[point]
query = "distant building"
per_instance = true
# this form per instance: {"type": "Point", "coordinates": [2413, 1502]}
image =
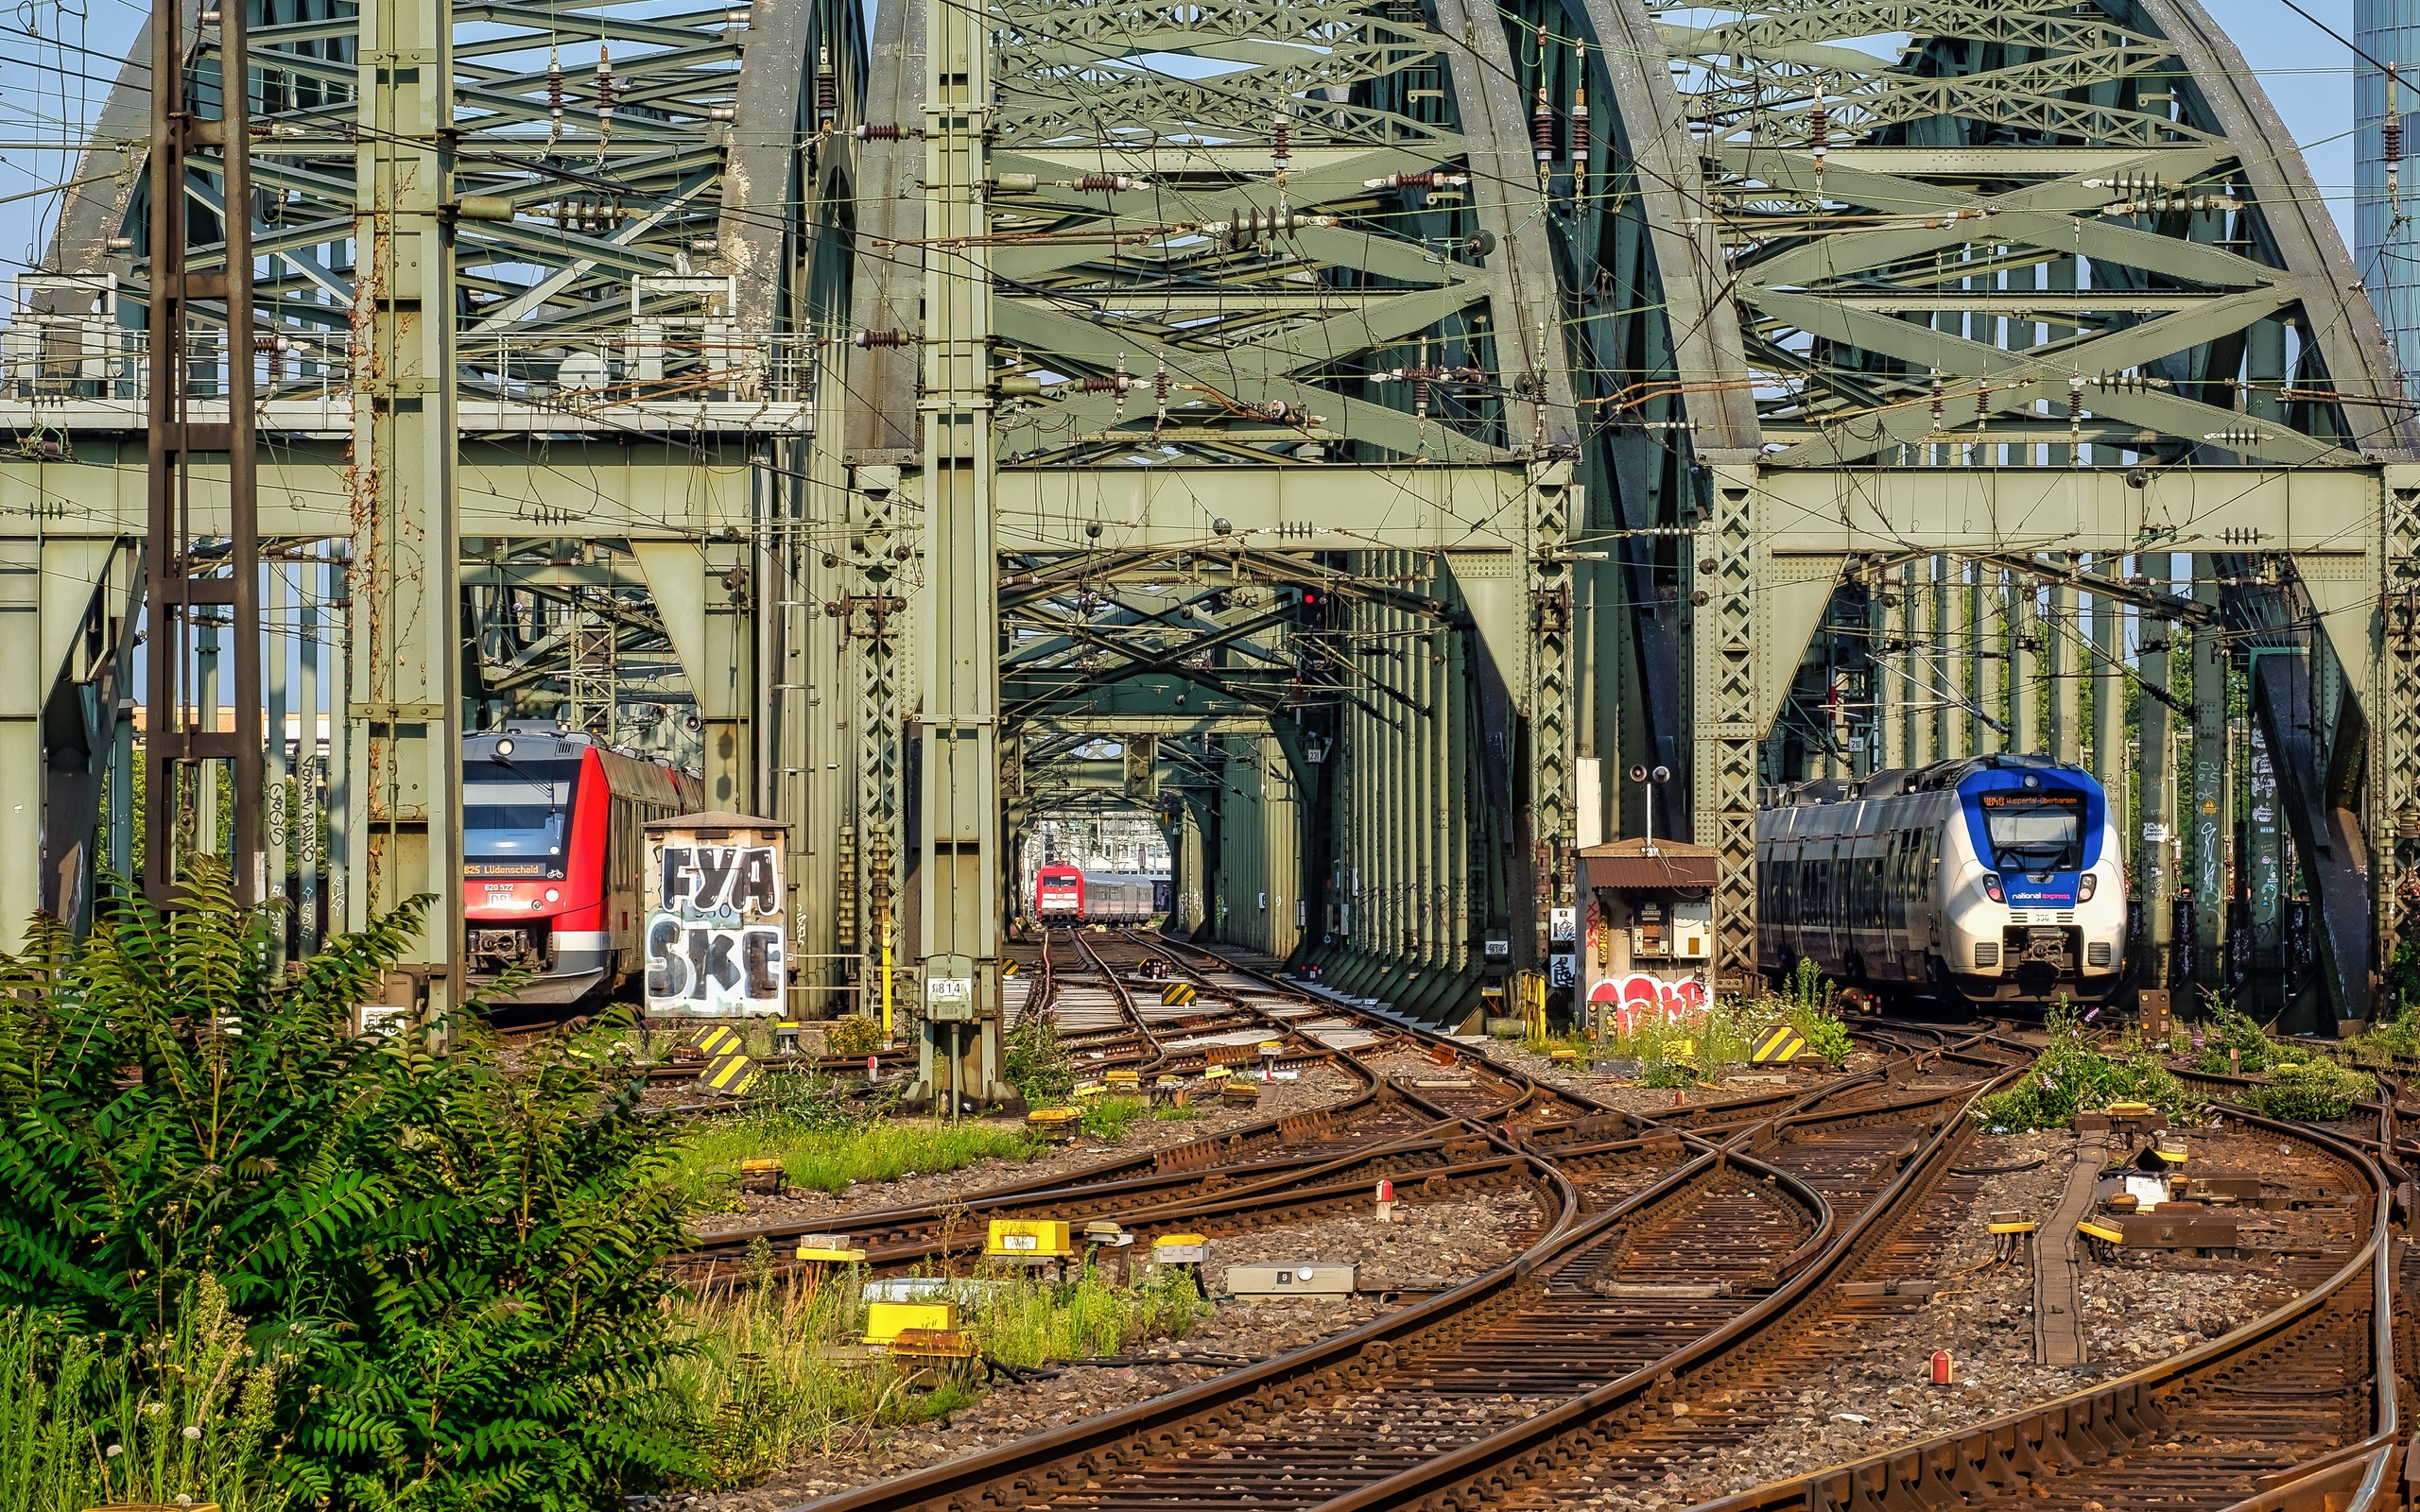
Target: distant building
{"type": "Point", "coordinates": [2386, 256]}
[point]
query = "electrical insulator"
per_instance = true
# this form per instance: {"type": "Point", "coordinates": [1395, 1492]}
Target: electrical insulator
{"type": "Point", "coordinates": [2393, 132]}
{"type": "Point", "coordinates": [1109, 183]}
{"type": "Point", "coordinates": [1431, 179]}
{"type": "Point", "coordinates": [2075, 409]}
{"type": "Point", "coordinates": [1580, 121]}
{"type": "Point", "coordinates": [1123, 384]}
{"type": "Point", "coordinates": [555, 86]}
{"type": "Point", "coordinates": [1280, 141]}
{"type": "Point", "coordinates": [881, 133]}
{"type": "Point", "coordinates": [604, 87]}
{"type": "Point", "coordinates": [867, 340]}
{"type": "Point", "coordinates": [1542, 136]}
{"type": "Point", "coordinates": [1159, 392]}
{"type": "Point", "coordinates": [1982, 401]}
{"type": "Point", "coordinates": [827, 90]}
{"type": "Point", "coordinates": [1819, 129]}
{"type": "Point", "coordinates": [1936, 399]}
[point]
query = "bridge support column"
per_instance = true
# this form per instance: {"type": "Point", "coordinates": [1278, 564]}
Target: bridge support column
{"type": "Point", "coordinates": [1729, 716]}
{"type": "Point", "coordinates": [2064, 653]}
{"type": "Point", "coordinates": [405, 715]}
{"type": "Point", "coordinates": [2110, 765]}
{"type": "Point", "coordinates": [960, 639]}
{"type": "Point", "coordinates": [2155, 771]}
{"type": "Point", "coordinates": [2211, 825]}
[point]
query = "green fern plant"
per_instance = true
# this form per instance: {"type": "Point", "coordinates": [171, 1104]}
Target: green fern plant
{"type": "Point", "coordinates": [455, 1269]}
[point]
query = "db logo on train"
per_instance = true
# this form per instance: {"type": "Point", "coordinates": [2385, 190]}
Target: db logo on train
{"type": "Point", "coordinates": [1624, 1002]}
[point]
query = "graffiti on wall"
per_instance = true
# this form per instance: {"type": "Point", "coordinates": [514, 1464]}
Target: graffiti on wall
{"type": "Point", "coordinates": [715, 937]}
{"type": "Point", "coordinates": [1622, 1004]}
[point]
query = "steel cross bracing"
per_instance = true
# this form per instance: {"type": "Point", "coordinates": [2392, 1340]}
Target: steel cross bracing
{"type": "Point", "coordinates": [1934, 324]}
{"type": "Point", "coordinates": [636, 204]}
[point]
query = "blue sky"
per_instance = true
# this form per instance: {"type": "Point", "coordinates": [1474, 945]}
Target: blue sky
{"type": "Point", "coordinates": [2308, 75]}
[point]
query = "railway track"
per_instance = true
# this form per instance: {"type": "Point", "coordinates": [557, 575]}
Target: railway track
{"type": "Point", "coordinates": [1661, 1247]}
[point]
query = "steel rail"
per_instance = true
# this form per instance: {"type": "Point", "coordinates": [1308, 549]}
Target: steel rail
{"type": "Point", "coordinates": [1065, 1458]}
{"type": "Point", "coordinates": [2092, 1426]}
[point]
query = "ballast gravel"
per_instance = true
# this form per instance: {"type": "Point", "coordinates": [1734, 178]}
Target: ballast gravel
{"type": "Point", "coordinates": [1435, 1244]}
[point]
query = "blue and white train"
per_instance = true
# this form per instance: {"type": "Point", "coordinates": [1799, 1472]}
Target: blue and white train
{"type": "Point", "coordinates": [1996, 879]}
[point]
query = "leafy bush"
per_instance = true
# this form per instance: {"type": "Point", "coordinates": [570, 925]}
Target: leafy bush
{"type": "Point", "coordinates": [1036, 1065]}
{"type": "Point", "coordinates": [1826, 1037]}
{"type": "Point", "coordinates": [855, 1035]}
{"type": "Point", "coordinates": [2231, 1028]}
{"type": "Point", "coordinates": [2072, 1073]}
{"type": "Point", "coordinates": [2398, 1035]}
{"type": "Point", "coordinates": [1669, 1074]}
{"type": "Point", "coordinates": [2313, 1090]}
{"type": "Point", "coordinates": [456, 1268]}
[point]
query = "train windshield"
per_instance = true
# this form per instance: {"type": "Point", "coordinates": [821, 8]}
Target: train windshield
{"type": "Point", "coordinates": [516, 816]}
{"type": "Point", "coordinates": [2035, 831]}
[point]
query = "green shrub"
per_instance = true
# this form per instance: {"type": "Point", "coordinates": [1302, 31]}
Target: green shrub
{"type": "Point", "coordinates": [855, 1035]}
{"type": "Point", "coordinates": [2231, 1028]}
{"type": "Point", "coordinates": [456, 1266]}
{"type": "Point", "coordinates": [2311, 1090]}
{"type": "Point", "coordinates": [1171, 1113]}
{"type": "Point", "coordinates": [1669, 1074]}
{"type": "Point", "coordinates": [2072, 1073]}
{"type": "Point", "coordinates": [1036, 1065]}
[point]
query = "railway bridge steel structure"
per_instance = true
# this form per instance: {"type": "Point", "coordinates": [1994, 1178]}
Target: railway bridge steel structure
{"type": "Point", "coordinates": [1359, 430]}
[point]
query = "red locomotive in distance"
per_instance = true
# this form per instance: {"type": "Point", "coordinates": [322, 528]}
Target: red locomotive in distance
{"type": "Point", "coordinates": [551, 853]}
{"type": "Point", "coordinates": [1064, 895]}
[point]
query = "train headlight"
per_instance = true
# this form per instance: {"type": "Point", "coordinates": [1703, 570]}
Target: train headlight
{"type": "Point", "coordinates": [2084, 887]}
{"type": "Point", "coordinates": [1992, 887]}
{"type": "Point", "coordinates": [554, 896]}
{"type": "Point", "coordinates": [504, 748]}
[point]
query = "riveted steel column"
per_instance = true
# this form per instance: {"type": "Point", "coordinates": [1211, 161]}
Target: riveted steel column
{"type": "Point", "coordinates": [1886, 613]}
{"type": "Point", "coordinates": [2064, 655]}
{"type": "Point", "coordinates": [2110, 764]}
{"type": "Point", "coordinates": [1987, 645]}
{"type": "Point", "coordinates": [2024, 665]}
{"type": "Point", "coordinates": [1722, 636]}
{"type": "Point", "coordinates": [2155, 768]}
{"type": "Point", "coordinates": [2395, 720]}
{"type": "Point", "coordinates": [403, 717]}
{"type": "Point", "coordinates": [959, 903]}
{"type": "Point", "coordinates": [1918, 664]}
{"type": "Point", "coordinates": [1952, 660]}
{"type": "Point", "coordinates": [2211, 825]}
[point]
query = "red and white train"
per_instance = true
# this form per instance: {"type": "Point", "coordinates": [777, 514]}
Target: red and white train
{"type": "Point", "coordinates": [552, 852]}
{"type": "Point", "coordinates": [1066, 895]}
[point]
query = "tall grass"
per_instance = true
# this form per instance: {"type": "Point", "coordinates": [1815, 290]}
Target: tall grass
{"type": "Point", "coordinates": [185, 1418]}
{"type": "Point", "coordinates": [830, 1158]}
{"type": "Point", "coordinates": [774, 1373]}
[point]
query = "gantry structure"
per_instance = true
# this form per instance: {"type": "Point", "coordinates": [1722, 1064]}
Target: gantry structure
{"type": "Point", "coordinates": [1357, 432]}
